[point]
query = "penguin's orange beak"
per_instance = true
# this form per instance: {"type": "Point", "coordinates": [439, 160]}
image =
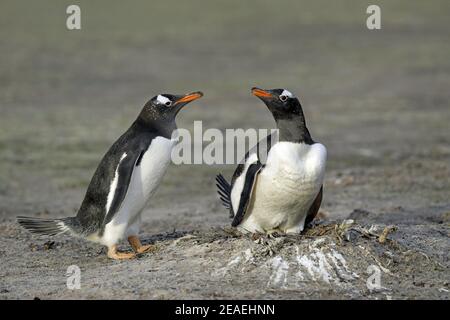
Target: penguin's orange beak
{"type": "Point", "coordinates": [190, 97]}
{"type": "Point", "coordinates": [261, 93]}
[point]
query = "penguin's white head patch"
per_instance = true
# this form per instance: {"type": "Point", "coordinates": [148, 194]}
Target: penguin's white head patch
{"type": "Point", "coordinates": [160, 99]}
{"type": "Point", "coordinates": [287, 94]}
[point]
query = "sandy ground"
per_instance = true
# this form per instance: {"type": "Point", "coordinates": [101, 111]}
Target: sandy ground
{"type": "Point", "coordinates": [378, 100]}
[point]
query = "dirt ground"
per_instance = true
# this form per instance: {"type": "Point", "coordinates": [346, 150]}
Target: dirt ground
{"type": "Point", "coordinates": [378, 100]}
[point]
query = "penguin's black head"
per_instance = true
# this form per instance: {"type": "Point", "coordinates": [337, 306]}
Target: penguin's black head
{"type": "Point", "coordinates": [166, 106]}
{"type": "Point", "coordinates": [288, 114]}
{"type": "Point", "coordinates": [281, 103]}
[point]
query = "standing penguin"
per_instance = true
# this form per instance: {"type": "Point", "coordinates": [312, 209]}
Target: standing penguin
{"type": "Point", "coordinates": [284, 193]}
{"type": "Point", "coordinates": [126, 178]}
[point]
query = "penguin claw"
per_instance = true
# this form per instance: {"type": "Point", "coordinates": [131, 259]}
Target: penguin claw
{"type": "Point", "coordinates": [274, 235]}
{"type": "Point", "coordinates": [257, 237]}
{"type": "Point", "coordinates": [138, 247]}
{"type": "Point", "coordinates": [114, 254]}
{"type": "Point", "coordinates": [261, 238]}
{"type": "Point", "coordinates": [147, 248]}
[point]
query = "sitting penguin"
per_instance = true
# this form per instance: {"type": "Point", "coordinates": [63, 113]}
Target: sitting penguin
{"type": "Point", "coordinates": [283, 193]}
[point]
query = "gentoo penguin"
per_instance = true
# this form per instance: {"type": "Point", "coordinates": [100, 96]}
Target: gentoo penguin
{"type": "Point", "coordinates": [284, 193]}
{"type": "Point", "coordinates": [124, 181]}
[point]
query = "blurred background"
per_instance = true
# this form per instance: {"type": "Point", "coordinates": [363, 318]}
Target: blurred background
{"type": "Point", "coordinates": [378, 99]}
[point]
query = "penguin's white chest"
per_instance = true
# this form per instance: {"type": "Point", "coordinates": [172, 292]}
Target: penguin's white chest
{"type": "Point", "coordinates": [286, 188]}
{"type": "Point", "coordinates": [148, 174]}
{"type": "Point", "coordinates": [145, 179]}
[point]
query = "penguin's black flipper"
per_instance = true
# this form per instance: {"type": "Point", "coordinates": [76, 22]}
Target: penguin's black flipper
{"type": "Point", "coordinates": [224, 191]}
{"type": "Point", "coordinates": [249, 182]}
{"type": "Point", "coordinates": [124, 171]}
{"type": "Point", "coordinates": [314, 209]}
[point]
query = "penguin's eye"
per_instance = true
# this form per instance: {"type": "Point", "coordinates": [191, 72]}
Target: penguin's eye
{"type": "Point", "coordinates": [168, 103]}
{"type": "Point", "coordinates": [283, 98]}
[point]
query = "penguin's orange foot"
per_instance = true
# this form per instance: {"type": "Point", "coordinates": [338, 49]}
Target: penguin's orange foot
{"type": "Point", "coordinates": [138, 247]}
{"type": "Point", "coordinates": [114, 254]}
{"type": "Point", "coordinates": [146, 248]}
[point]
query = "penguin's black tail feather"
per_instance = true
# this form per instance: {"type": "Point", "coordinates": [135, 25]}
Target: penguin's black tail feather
{"type": "Point", "coordinates": [224, 191]}
{"type": "Point", "coordinates": [50, 227]}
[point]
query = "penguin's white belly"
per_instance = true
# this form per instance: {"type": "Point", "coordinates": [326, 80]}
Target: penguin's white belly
{"type": "Point", "coordinates": [144, 181]}
{"type": "Point", "coordinates": [286, 188]}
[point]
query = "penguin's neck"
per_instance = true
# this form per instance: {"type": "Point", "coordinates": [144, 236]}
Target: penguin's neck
{"type": "Point", "coordinates": [293, 129]}
{"type": "Point", "coordinates": [161, 127]}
